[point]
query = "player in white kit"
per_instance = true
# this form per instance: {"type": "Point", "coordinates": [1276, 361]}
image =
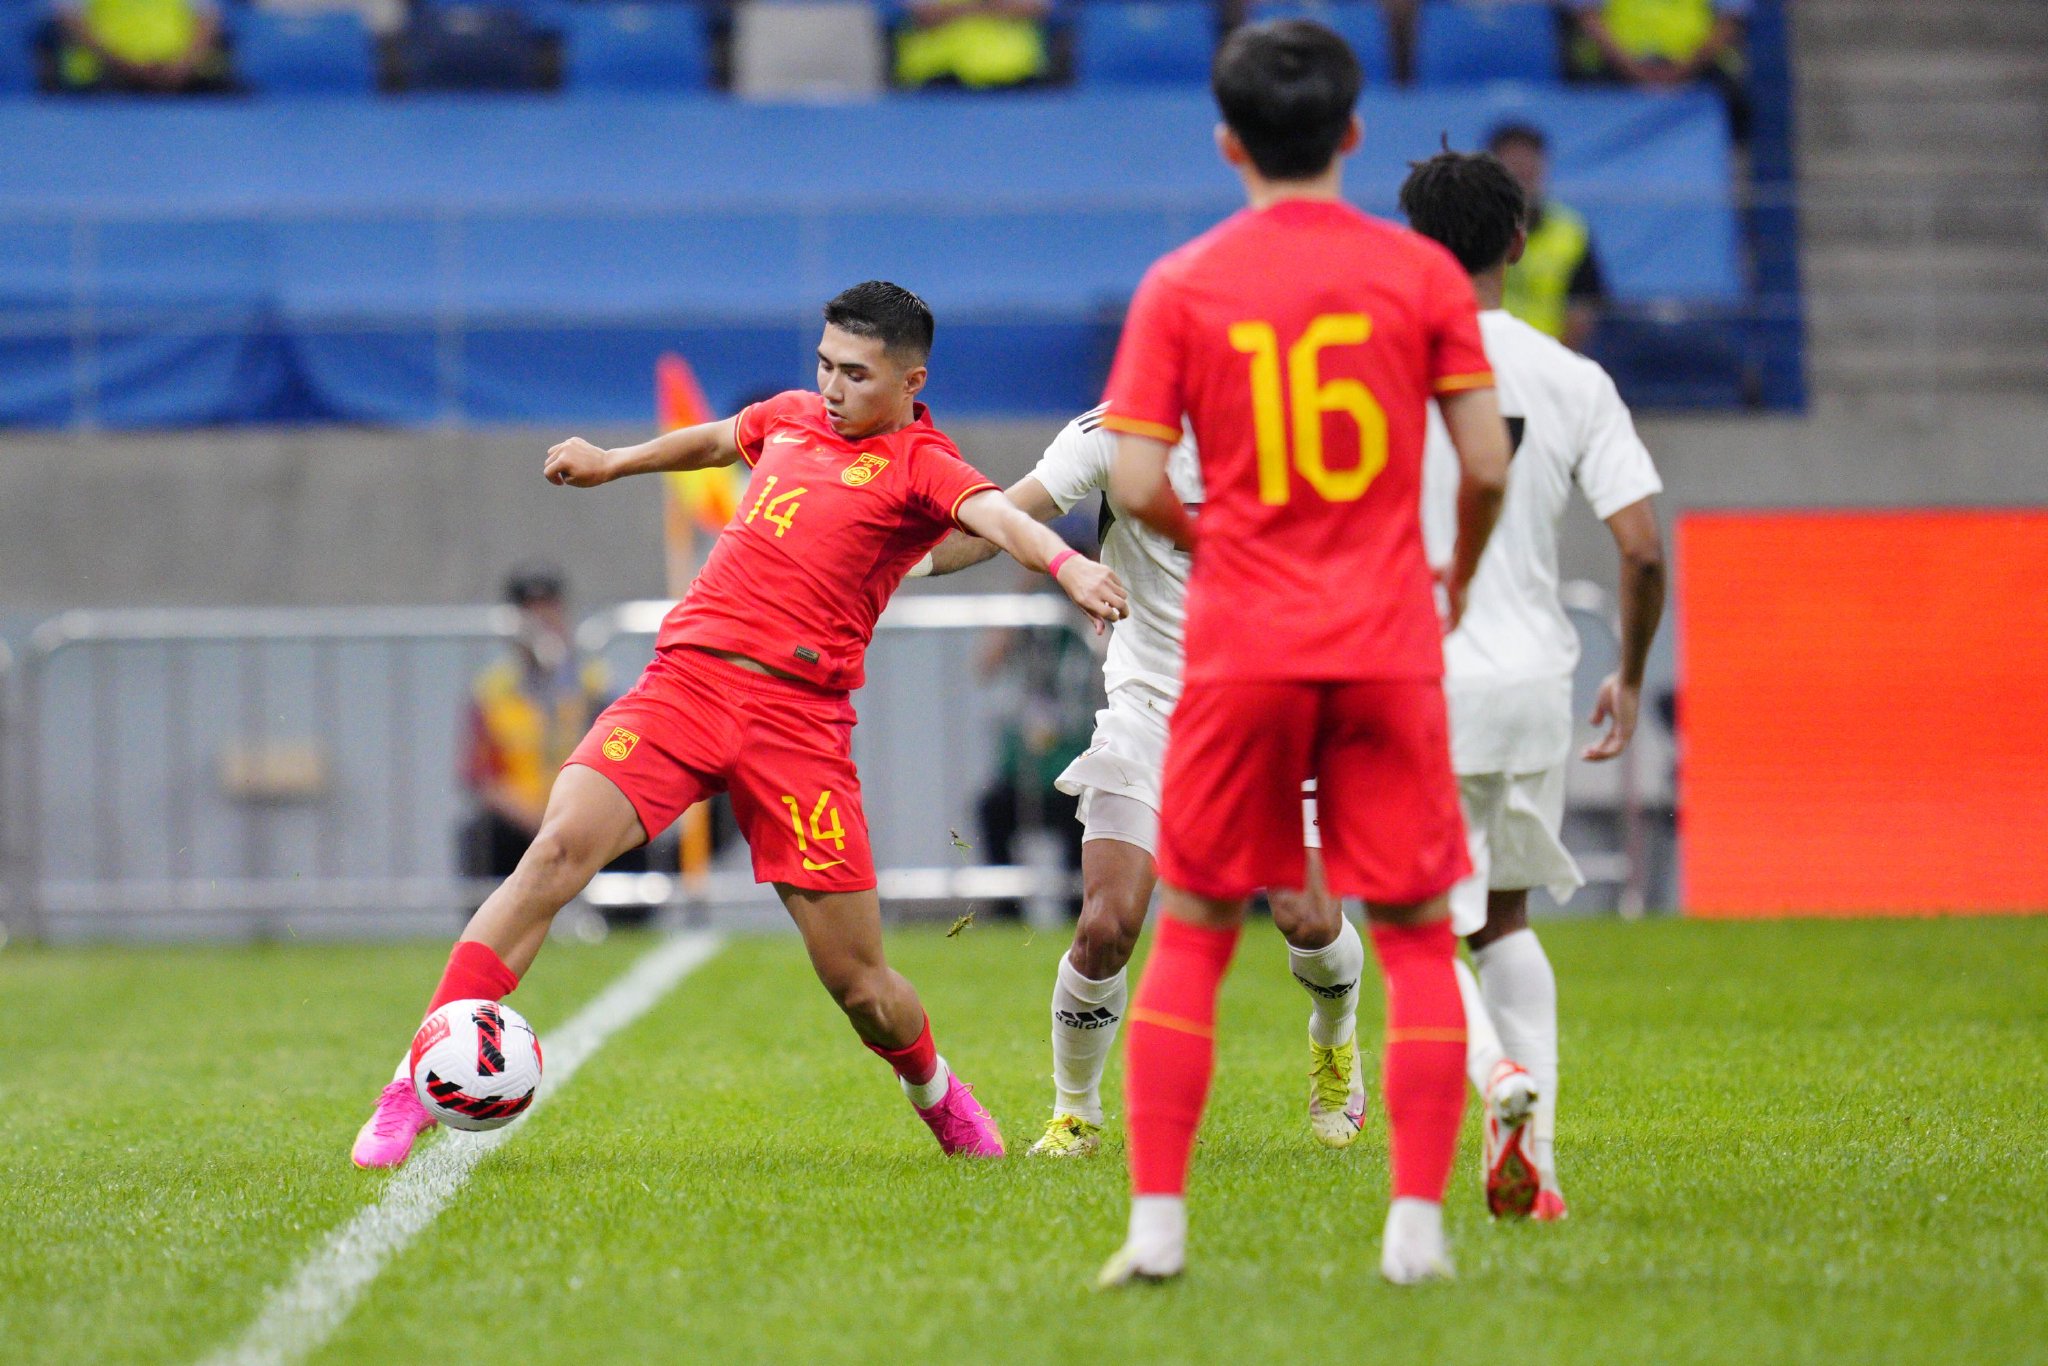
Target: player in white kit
{"type": "Point", "coordinates": [1117, 781]}
{"type": "Point", "coordinates": [1508, 666]}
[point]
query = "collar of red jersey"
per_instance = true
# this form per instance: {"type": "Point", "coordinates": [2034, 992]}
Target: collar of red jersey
{"type": "Point", "coordinates": [920, 417]}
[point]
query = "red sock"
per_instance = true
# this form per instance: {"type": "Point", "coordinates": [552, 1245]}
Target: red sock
{"type": "Point", "coordinates": [474, 972]}
{"type": "Point", "coordinates": [1425, 1067]}
{"type": "Point", "coordinates": [916, 1062]}
{"type": "Point", "coordinates": [1170, 1051]}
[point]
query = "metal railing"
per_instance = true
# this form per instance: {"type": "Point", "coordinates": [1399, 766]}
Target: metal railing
{"type": "Point", "coordinates": [268, 772]}
{"type": "Point", "coordinates": [181, 773]}
{"type": "Point", "coordinates": [187, 771]}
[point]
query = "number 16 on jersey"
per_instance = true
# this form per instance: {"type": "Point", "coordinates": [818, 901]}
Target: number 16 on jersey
{"type": "Point", "coordinates": [1287, 411]}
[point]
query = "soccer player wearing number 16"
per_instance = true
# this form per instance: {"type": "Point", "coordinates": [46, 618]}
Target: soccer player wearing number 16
{"type": "Point", "coordinates": [748, 689]}
{"type": "Point", "coordinates": [1303, 340]}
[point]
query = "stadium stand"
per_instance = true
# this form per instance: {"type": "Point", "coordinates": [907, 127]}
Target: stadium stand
{"type": "Point", "coordinates": [18, 25]}
{"type": "Point", "coordinates": [1514, 41]}
{"type": "Point", "coordinates": [808, 49]}
{"type": "Point", "coordinates": [1144, 42]}
{"type": "Point", "coordinates": [521, 260]}
{"type": "Point", "coordinates": [1361, 22]}
{"type": "Point", "coordinates": [373, 267]}
{"type": "Point", "coordinates": [467, 48]}
{"type": "Point", "coordinates": [649, 47]}
{"type": "Point", "coordinates": [302, 54]}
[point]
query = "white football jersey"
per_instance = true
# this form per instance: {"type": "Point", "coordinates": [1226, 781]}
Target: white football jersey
{"type": "Point", "coordinates": [1508, 667]}
{"type": "Point", "coordinates": [1145, 647]}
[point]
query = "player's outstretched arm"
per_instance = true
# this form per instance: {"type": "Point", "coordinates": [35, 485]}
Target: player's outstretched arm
{"type": "Point", "coordinates": [1642, 606]}
{"type": "Point", "coordinates": [960, 551]}
{"type": "Point", "coordinates": [579, 464]}
{"type": "Point", "coordinates": [1094, 589]}
{"type": "Point", "coordinates": [1137, 481]}
{"type": "Point", "coordinates": [1472, 417]}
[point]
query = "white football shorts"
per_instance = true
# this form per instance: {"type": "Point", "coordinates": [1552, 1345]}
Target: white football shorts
{"type": "Point", "coordinates": [1124, 761]}
{"type": "Point", "coordinates": [1512, 822]}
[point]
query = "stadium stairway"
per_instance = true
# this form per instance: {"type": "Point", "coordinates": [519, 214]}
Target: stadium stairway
{"type": "Point", "coordinates": [1924, 169]}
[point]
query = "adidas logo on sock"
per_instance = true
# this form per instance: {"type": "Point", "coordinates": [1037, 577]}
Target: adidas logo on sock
{"type": "Point", "coordinates": [1342, 989]}
{"type": "Point", "coordinates": [1097, 1018]}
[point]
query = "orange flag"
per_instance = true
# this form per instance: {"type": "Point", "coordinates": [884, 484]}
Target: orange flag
{"type": "Point", "coordinates": [710, 497]}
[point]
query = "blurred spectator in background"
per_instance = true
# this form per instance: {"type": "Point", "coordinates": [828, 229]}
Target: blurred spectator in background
{"type": "Point", "coordinates": [1051, 677]}
{"type": "Point", "coordinates": [1665, 43]}
{"type": "Point", "coordinates": [159, 47]}
{"type": "Point", "coordinates": [1401, 36]}
{"type": "Point", "coordinates": [526, 713]}
{"type": "Point", "coordinates": [1556, 287]}
{"type": "Point", "coordinates": [978, 44]}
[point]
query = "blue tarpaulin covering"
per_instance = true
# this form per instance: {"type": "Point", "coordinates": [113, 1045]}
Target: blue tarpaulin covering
{"type": "Point", "coordinates": [513, 259]}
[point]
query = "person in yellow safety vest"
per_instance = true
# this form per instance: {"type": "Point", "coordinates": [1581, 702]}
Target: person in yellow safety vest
{"type": "Point", "coordinates": [1556, 287]}
{"type": "Point", "coordinates": [527, 711]}
{"type": "Point", "coordinates": [979, 44]}
{"type": "Point", "coordinates": [1664, 43]}
{"type": "Point", "coordinates": [140, 47]}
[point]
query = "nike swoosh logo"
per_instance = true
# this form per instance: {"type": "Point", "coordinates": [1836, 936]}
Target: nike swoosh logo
{"type": "Point", "coordinates": [821, 867]}
{"type": "Point", "coordinates": [780, 440]}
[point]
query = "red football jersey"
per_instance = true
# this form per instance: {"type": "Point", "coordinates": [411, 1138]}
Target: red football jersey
{"type": "Point", "coordinates": [1303, 342]}
{"type": "Point", "coordinates": [824, 534]}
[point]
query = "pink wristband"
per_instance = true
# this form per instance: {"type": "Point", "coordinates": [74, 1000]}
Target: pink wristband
{"type": "Point", "coordinates": [1060, 559]}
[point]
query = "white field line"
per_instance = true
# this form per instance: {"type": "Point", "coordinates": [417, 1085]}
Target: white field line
{"type": "Point", "coordinates": [303, 1313]}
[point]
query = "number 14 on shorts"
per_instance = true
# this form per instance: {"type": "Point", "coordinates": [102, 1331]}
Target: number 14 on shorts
{"type": "Point", "coordinates": [834, 833]}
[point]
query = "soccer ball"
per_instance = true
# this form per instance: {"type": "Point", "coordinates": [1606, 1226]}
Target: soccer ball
{"type": "Point", "coordinates": [476, 1064]}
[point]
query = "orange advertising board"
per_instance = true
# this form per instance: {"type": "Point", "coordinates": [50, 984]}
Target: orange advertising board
{"type": "Point", "coordinates": [1863, 712]}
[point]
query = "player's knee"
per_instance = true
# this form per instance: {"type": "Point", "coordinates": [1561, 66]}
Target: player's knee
{"type": "Point", "coordinates": [559, 859]}
{"type": "Point", "coordinates": [861, 991]}
{"type": "Point", "coordinates": [1108, 932]}
{"type": "Point", "coordinates": [1304, 920]}
{"type": "Point", "coordinates": [1506, 914]}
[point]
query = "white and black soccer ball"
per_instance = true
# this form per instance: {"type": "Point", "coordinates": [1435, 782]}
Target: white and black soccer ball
{"type": "Point", "coordinates": [476, 1064]}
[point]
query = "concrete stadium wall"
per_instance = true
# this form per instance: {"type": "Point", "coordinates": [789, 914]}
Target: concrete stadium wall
{"type": "Point", "coordinates": [365, 517]}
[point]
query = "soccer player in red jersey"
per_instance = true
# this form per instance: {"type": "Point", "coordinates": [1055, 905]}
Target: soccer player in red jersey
{"type": "Point", "coordinates": [747, 692]}
{"type": "Point", "coordinates": [1303, 340]}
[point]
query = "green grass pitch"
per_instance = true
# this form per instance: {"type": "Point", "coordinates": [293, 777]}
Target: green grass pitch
{"type": "Point", "coordinates": [1782, 1142]}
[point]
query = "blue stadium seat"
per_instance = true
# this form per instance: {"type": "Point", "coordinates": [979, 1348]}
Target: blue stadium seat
{"type": "Point", "coordinates": [1361, 22]}
{"type": "Point", "coordinates": [309, 54]}
{"type": "Point", "coordinates": [633, 47]}
{"type": "Point", "coordinates": [18, 25]}
{"type": "Point", "coordinates": [1460, 42]}
{"type": "Point", "coordinates": [1144, 42]}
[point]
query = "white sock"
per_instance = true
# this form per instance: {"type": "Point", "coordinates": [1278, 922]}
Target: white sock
{"type": "Point", "coordinates": [1412, 1244]}
{"type": "Point", "coordinates": [1483, 1052]}
{"type": "Point", "coordinates": [1159, 1231]}
{"type": "Point", "coordinates": [1085, 1015]}
{"type": "Point", "coordinates": [1521, 995]}
{"type": "Point", "coordinates": [1330, 975]}
{"type": "Point", "coordinates": [932, 1092]}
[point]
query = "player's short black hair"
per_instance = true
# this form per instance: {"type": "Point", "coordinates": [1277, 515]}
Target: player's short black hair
{"type": "Point", "coordinates": [1468, 202]}
{"type": "Point", "coordinates": [1513, 132]}
{"type": "Point", "coordinates": [876, 308]}
{"type": "Point", "coordinates": [1287, 88]}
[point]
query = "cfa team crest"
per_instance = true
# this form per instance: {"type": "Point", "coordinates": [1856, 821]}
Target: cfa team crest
{"type": "Point", "coordinates": [864, 468]}
{"type": "Point", "coordinates": [619, 744]}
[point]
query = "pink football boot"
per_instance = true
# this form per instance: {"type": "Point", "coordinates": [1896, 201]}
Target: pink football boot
{"type": "Point", "coordinates": [386, 1138]}
{"type": "Point", "coordinates": [961, 1125]}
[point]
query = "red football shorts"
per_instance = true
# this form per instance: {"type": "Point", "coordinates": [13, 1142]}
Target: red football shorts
{"type": "Point", "coordinates": [696, 724]}
{"type": "Point", "coordinates": [1238, 752]}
